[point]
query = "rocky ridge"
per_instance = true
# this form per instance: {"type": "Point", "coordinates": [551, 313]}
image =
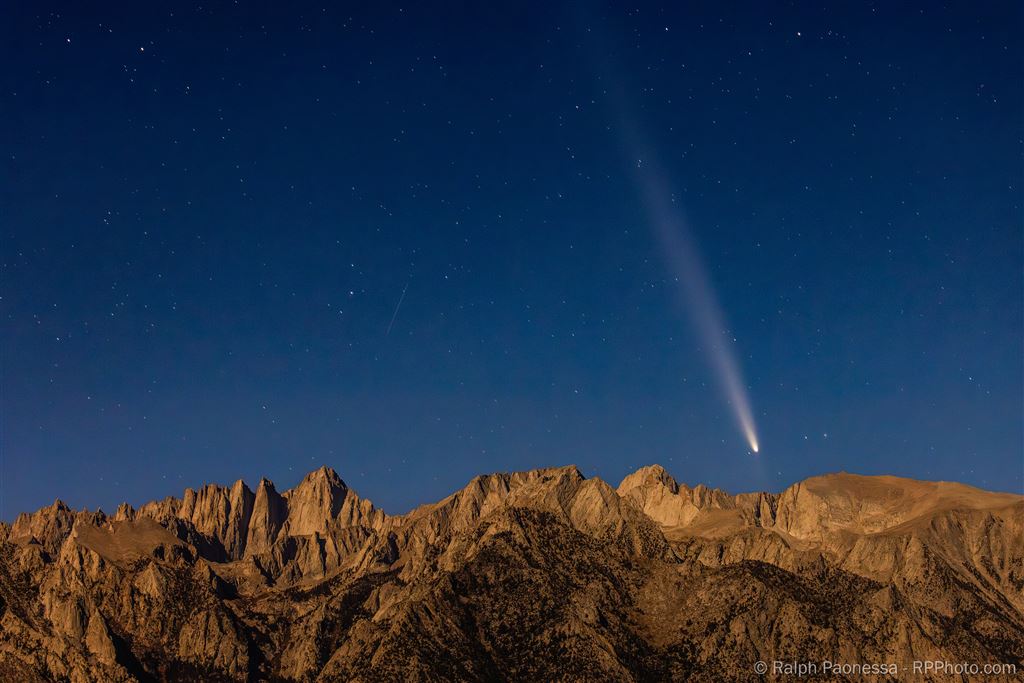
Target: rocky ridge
{"type": "Point", "coordinates": [540, 575]}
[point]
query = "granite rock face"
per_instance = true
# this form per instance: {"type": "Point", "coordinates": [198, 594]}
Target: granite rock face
{"type": "Point", "coordinates": [529, 576]}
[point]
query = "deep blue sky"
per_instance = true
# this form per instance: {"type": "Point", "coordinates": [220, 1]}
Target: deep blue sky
{"type": "Point", "coordinates": [210, 213]}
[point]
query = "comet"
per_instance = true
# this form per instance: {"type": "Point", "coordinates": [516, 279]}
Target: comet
{"type": "Point", "coordinates": [683, 258]}
{"type": "Point", "coordinates": [702, 305]}
{"type": "Point", "coordinates": [674, 237]}
{"type": "Point", "coordinates": [680, 251]}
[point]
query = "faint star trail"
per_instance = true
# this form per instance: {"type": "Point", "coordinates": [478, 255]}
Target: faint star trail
{"type": "Point", "coordinates": [397, 306]}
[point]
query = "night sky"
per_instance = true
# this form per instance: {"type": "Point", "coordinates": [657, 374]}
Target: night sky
{"type": "Point", "coordinates": [210, 214]}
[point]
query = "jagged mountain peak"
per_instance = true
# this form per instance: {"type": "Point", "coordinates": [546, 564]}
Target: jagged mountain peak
{"type": "Point", "coordinates": [317, 584]}
{"type": "Point", "coordinates": [322, 483]}
{"type": "Point", "coordinates": [647, 476]}
{"type": "Point", "coordinates": [266, 484]}
{"type": "Point", "coordinates": [323, 474]}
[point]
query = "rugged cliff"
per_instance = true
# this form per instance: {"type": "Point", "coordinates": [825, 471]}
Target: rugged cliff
{"type": "Point", "coordinates": [541, 575]}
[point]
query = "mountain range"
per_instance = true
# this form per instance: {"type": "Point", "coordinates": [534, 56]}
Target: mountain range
{"type": "Point", "coordinates": [543, 575]}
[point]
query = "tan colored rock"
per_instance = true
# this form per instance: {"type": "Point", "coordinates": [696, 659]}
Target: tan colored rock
{"type": "Point", "coordinates": [97, 640]}
{"type": "Point", "coordinates": [221, 514]}
{"type": "Point", "coordinates": [47, 526]}
{"type": "Point", "coordinates": [654, 580]}
{"type": "Point", "coordinates": [268, 516]}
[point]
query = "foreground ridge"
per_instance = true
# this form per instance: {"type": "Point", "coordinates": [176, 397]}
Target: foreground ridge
{"type": "Point", "coordinates": [537, 575]}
